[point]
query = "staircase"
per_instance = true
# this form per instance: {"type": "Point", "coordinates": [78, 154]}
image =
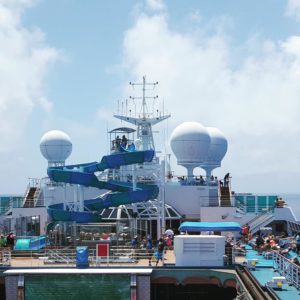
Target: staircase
{"type": "Point", "coordinates": [29, 199]}
{"type": "Point", "coordinates": [39, 201]}
{"type": "Point", "coordinates": [260, 221]}
{"type": "Point", "coordinates": [225, 198]}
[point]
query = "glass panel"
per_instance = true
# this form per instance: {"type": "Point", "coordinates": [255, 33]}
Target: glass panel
{"type": "Point", "coordinates": [262, 202]}
{"type": "Point", "coordinates": [123, 215]}
{"type": "Point", "coordinates": [172, 213]}
{"type": "Point", "coordinates": [106, 213]}
{"type": "Point", "coordinates": [77, 287]}
{"type": "Point", "coordinates": [250, 203]}
{"type": "Point", "coordinates": [114, 214]}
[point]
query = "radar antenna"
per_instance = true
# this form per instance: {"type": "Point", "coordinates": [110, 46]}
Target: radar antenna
{"type": "Point", "coordinates": [144, 84]}
{"type": "Point", "coordinates": [146, 118]}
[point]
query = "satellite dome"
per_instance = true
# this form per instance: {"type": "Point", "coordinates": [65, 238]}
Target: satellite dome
{"type": "Point", "coordinates": [190, 143]}
{"type": "Point", "coordinates": [218, 146]}
{"type": "Point", "coordinates": [56, 146]}
{"type": "Point", "coordinates": [216, 151]}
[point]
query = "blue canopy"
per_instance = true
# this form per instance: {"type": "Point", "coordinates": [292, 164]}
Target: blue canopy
{"type": "Point", "coordinates": [210, 226]}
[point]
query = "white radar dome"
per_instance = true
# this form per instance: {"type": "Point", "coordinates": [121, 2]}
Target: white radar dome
{"type": "Point", "coordinates": [218, 146]}
{"type": "Point", "coordinates": [190, 143]}
{"type": "Point", "coordinates": [56, 146]}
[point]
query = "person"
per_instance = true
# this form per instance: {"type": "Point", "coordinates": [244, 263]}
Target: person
{"type": "Point", "coordinates": [124, 141]}
{"type": "Point", "coordinates": [2, 241]}
{"type": "Point", "coordinates": [296, 261]}
{"type": "Point", "coordinates": [250, 236]}
{"type": "Point", "coordinates": [226, 179]}
{"type": "Point", "coordinates": [118, 142]}
{"type": "Point", "coordinates": [149, 247]}
{"type": "Point", "coordinates": [285, 252]}
{"type": "Point", "coordinates": [298, 243]}
{"type": "Point", "coordinates": [245, 232]}
{"type": "Point", "coordinates": [2, 245]}
{"type": "Point", "coordinates": [169, 242]}
{"type": "Point", "coordinates": [10, 240]}
{"type": "Point", "coordinates": [279, 203]}
{"type": "Point", "coordinates": [259, 243]}
{"type": "Point", "coordinates": [159, 250]}
{"type": "Point", "coordinates": [105, 236]}
{"type": "Point", "coordinates": [201, 180]}
{"type": "Point", "coordinates": [134, 246]}
{"type": "Point", "coordinates": [134, 242]}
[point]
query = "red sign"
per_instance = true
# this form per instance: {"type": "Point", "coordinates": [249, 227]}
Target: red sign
{"type": "Point", "coordinates": [102, 250]}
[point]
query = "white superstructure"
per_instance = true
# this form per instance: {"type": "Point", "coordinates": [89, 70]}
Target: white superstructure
{"type": "Point", "coordinates": [181, 197]}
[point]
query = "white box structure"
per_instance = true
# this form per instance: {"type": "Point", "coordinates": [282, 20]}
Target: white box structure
{"type": "Point", "coordinates": [199, 250]}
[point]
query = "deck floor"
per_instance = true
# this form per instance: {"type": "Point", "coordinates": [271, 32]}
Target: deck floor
{"type": "Point", "coordinates": [265, 271]}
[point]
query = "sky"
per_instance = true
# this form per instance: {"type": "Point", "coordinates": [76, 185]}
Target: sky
{"type": "Point", "coordinates": [234, 65]}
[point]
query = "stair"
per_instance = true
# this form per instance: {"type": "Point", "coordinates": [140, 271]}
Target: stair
{"type": "Point", "coordinates": [39, 201]}
{"type": "Point", "coordinates": [29, 199]}
{"type": "Point", "coordinates": [260, 221]}
{"type": "Point", "coordinates": [225, 198]}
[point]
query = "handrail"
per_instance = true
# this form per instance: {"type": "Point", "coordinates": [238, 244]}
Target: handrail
{"type": "Point", "coordinates": [117, 256]}
{"type": "Point", "coordinates": [262, 220]}
{"type": "Point", "coordinates": [294, 227]}
{"type": "Point", "coordinates": [287, 269]}
{"type": "Point", "coordinates": [253, 286]}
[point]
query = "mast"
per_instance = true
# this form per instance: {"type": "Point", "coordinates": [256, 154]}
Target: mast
{"type": "Point", "coordinates": [145, 118]}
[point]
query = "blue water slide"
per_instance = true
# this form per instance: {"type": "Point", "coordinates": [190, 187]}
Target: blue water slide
{"type": "Point", "coordinates": [30, 243]}
{"type": "Point", "coordinates": [121, 192]}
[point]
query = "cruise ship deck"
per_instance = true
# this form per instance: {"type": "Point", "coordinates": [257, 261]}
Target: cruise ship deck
{"type": "Point", "coordinates": [35, 274]}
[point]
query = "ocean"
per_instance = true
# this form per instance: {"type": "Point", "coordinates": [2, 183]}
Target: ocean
{"type": "Point", "coordinates": [292, 200]}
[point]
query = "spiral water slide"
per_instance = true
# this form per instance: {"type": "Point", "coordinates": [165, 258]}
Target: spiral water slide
{"type": "Point", "coordinates": [121, 193]}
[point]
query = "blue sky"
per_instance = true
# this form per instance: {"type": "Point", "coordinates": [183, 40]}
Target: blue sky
{"type": "Point", "coordinates": [234, 65]}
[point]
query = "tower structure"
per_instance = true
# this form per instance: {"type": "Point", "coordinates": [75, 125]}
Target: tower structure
{"type": "Point", "coordinates": [144, 116]}
{"type": "Point", "coordinates": [144, 113]}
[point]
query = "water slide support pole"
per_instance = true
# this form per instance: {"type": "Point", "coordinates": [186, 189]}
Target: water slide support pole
{"type": "Point", "coordinates": [134, 177]}
{"type": "Point", "coordinates": [162, 197]}
{"type": "Point", "coordinates": [81, 204]}
{"type": "Point", "coordinates": [65, 196]}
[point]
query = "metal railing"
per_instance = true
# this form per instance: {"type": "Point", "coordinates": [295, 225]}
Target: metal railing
{"type": "Point", "coordinates": [260, 220]}
{"type": "Point", "coordinates": [253, 203]}
{"type": "Point", "coordinates": [67, 257]}
{"type": "Point", "coordinates": [118, 256]}
{"type": "Point", "coordinates": [294, 227]}
{"type": "Point", "coordinates": [287, 268]}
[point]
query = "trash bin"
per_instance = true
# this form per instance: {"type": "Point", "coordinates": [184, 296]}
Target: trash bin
{"type": "Point", "coordinates": [82, 257]}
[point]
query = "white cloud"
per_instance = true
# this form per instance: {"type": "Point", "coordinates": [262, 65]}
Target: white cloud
{"type": "Point", "coordinates": [155, 4]}
{"type": "Point", "coordinates": [104, 114]}
{"type": "Point", "coordinates": [24, 60]}
{"type": "Point", "coordinates": [256, 103]}
{"type": "Point", "coordinates": [196, 16]}
{"type": "Point", "coordinates": [293, 9]}
{"type": "Point", "coordinates": [45, 104]}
